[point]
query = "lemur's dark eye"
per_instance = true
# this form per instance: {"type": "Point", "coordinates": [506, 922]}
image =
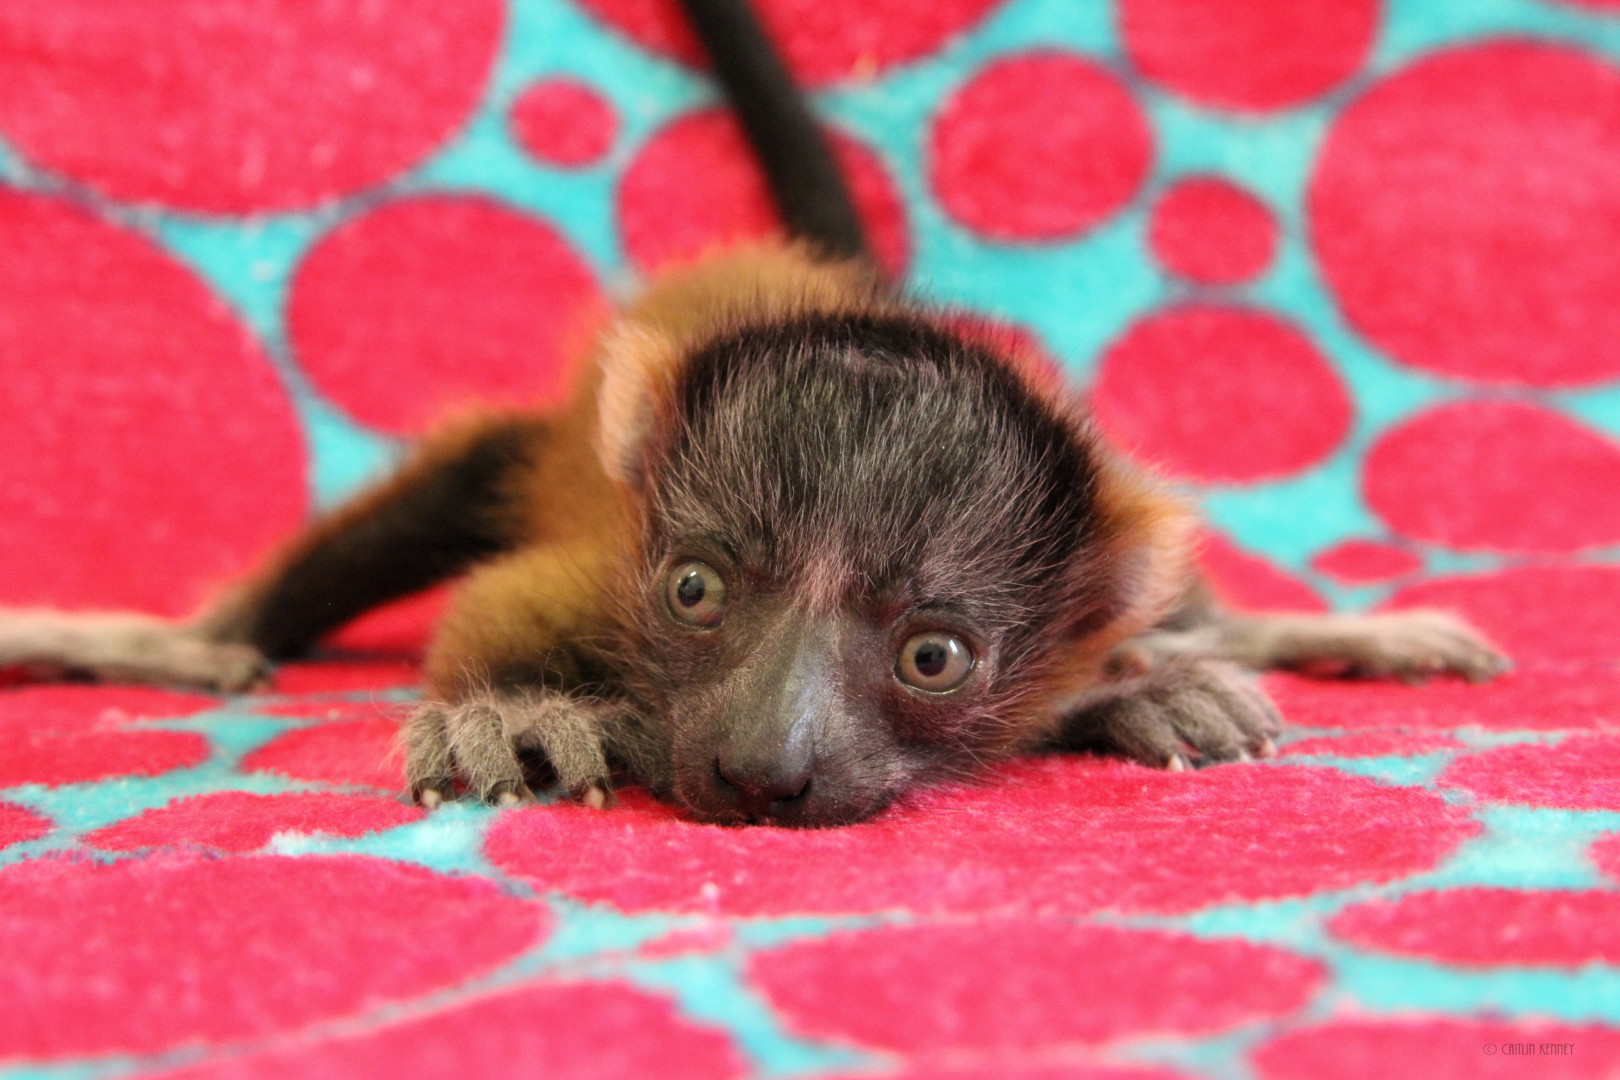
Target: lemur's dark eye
{"type": "Point", "coordinates": [696, 594]}
{"type": "Point", "coordinates": [936, 662]}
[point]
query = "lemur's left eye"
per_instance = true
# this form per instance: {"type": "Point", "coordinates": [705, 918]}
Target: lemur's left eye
{"type": "Point", "coordinates": [936, 662]}
{"type": "Point", "coordinates": [697, 594]}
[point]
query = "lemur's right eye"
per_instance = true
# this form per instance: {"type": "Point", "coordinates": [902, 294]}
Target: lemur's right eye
{"type": "Point", "coordinates": [696, 594]}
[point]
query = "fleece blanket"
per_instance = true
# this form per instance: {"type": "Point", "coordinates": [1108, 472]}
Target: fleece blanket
{"type": "Point", "coordinates": [1347, 270]}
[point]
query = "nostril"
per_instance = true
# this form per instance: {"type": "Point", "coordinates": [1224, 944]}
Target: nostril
{"type": "Point", "coordinates": [723, 782]}
{"type": "Point", "coordinates": [782, 803]}
{"type": "Point", "coordinates": [761, 793]}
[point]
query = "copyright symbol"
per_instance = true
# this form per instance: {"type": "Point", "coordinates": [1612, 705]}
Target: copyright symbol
{"type": "Point", "coordinates": [1489, 1048]}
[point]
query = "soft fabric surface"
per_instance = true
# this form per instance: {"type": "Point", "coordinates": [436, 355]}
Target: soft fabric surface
{"type": "Point", "coordinates": [1348, 270]}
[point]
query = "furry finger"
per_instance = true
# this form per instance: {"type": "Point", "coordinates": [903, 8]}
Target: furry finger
{"type": "Point", "coordinates": [429, 765]}
{"type": "Point", "coordinates": [484, 754]}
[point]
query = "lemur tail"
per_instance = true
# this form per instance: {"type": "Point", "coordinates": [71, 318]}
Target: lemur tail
{"type": "Point", "coordinates": [810, 192]}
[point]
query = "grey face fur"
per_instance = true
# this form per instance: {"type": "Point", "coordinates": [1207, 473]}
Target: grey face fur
{"type": "Point", "coordinates": [854, 483]}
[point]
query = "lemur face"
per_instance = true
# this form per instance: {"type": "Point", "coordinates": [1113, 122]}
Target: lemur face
{"type": "Point", "coordinates": [866, 543]}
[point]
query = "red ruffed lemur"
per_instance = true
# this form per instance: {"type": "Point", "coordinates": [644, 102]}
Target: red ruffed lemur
{"type": "Point", "coordinates": [800, 544]}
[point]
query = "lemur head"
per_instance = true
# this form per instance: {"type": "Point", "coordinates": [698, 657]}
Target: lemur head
{"type": "Point", "coordinates": [871, 552]}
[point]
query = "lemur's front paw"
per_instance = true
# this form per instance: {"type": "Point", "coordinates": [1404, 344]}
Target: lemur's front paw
{"type": "Point", "coordinates": [483, 741]}
{"type": "Point", "coordinates": [1178, 712]}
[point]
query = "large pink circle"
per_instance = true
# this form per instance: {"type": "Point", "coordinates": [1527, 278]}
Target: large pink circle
{"type": "Point", "coordinates": [1532, 697]}
{"type": "Point", "coordinates": [56, 735]}
{"type": "Point", "coordinates": [1466, 213]}
{"type": "Point", "coordinates": [1003, 985]}
{"type": "Point", "coordinates": [1220, 393]}
{"type": "Point", "coordinates": [1249, 581]}
{"type": "Point", "coordinates": [559, 1032]}
{"type": "Point", "coordinates": [1437, 1048]}
{"type": "Point", "coordinates": [430, 302]}
{"type": "Point", "coordinates": [242, 105]}
{"type": "Point", "coordinates": [364, 753]}
{"type": "Point", "coordinates": [1478, 927]}
{"type": "Point", "coordinates": [1038, 146]}
{"type": "Point", "coordinates": [1057, 835]}
{"type": "Point", "coordinates": [143, 954]}
{"type": "Point", "coordinates": [1212, 232]}
{"type": "Point", "coordinates": [149, 450]}
{"type": "Point", "coordinates": [18, 825]}
{"type": "Point", "coordinates": [1496, 475]}
{"type": "Point", "coordinates": [1580, 773]}
{"type": "Point", "coordinates": [1248, 54]}
{"type": "Point", "coordinates": [666, 218]}
{"type": "Point", "coordinates": [822, 42]}
{"type": "Point", "coordinates": [240, 821]}
{"type": "Point", "coordinates": [1562, 614]}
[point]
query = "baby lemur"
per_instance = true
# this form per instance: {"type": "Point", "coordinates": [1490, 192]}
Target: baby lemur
{"type": "Point", "coordinates": [799, 545]}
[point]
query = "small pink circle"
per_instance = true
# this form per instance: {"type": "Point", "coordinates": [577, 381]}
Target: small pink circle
{"type": "Point", "coordinates": [1364, 562]}
{"type": "Point", "coordinates": [564, 123]}
{"type": "Point", "coordinates": [1220, 393]}
{"type": "Point", "coordinates": [1038, 146]}
{"type": "Point", "coordinates": [1212, 232]}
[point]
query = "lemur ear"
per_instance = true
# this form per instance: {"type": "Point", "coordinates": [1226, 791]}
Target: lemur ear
{"type": "Point", "coordinates": [636, 370]}
{"type": "Point", "coordinates": [1149, 536]}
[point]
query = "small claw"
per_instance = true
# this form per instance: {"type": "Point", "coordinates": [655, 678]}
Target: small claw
{"type": "Point", "coordinates": [1177, 763]}
{"type": "Point", "coordinates": [508, 793]}
{"type": "Point", "coordinates": [431, 796]}
{"type": "Point", "coordinates": [1267, 749]}
{"type": "Point", "coordinates": [596, 797]}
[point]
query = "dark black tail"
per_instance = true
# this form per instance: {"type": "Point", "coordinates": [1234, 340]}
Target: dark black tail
{"type": "Point", "coordinates": [809, 190]}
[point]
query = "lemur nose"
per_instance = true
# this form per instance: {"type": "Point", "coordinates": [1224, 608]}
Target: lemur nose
{"type": "Point", "coordinates": [763, 792]}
